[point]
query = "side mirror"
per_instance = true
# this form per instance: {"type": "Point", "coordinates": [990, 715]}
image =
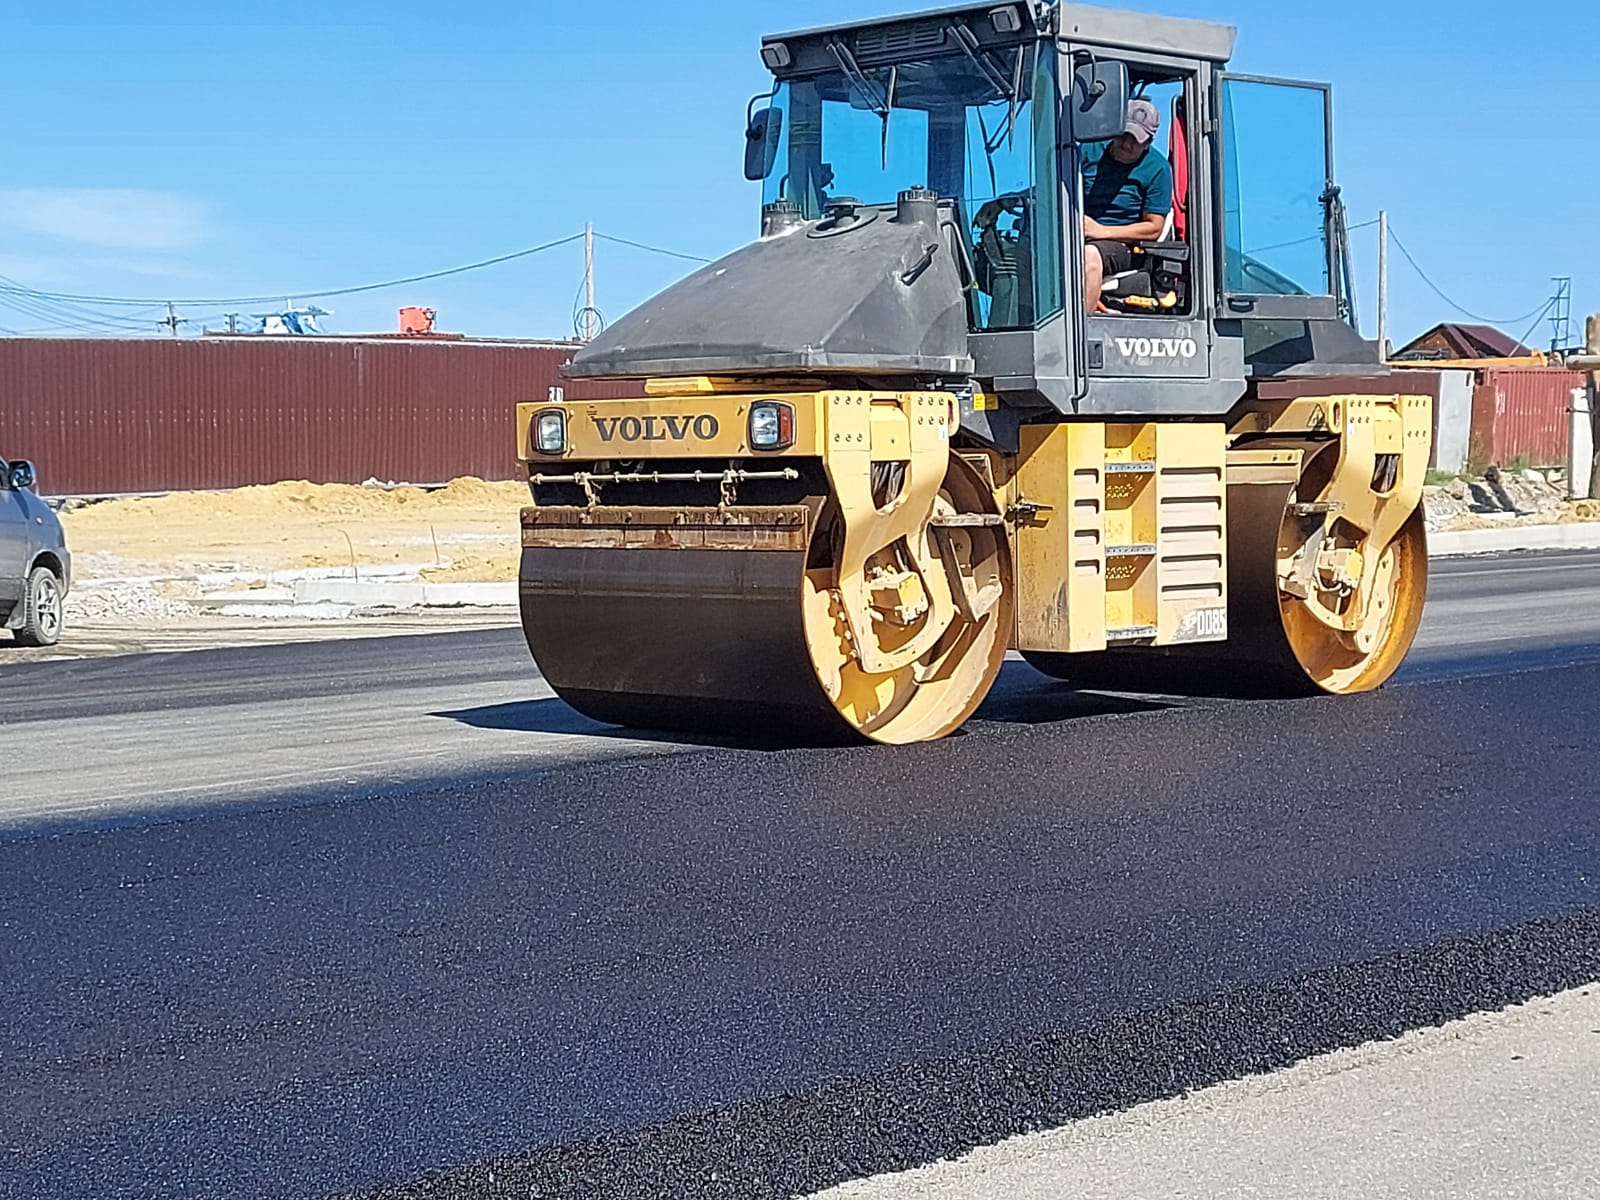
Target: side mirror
{"type": "Point", "coordinates": [1097, 108]}
{"type": "Point", "coordinates": [21, 476]}
{"type": "Point", "coordinates": [761, 143]}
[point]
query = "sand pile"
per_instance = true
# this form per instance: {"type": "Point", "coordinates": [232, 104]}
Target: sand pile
{"type": "Point", "coordinates": [470, 527]}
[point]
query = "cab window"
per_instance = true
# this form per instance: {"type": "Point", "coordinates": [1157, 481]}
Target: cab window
{"type": "Point", "coordinates": [983, 136]}
{"type": "Point", "coordinates": [1275, 173]}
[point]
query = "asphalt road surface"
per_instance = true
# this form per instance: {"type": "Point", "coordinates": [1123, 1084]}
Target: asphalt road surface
{"type": "Point", "coordinates": [381, 918]}
{"type": "Point", "coordinates": [274, 724]}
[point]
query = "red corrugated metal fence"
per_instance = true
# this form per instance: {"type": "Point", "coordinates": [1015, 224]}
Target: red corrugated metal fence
{"type": "Point", "coordinates": [1520, 414]}
{"type": "Point", "coordinates": [101, 416]}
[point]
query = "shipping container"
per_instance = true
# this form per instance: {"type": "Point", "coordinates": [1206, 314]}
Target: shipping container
{"type": "Point", "coordinates": [112, 417]}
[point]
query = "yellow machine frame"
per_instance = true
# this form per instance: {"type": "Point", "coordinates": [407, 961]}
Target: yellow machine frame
{"type": "Point", "coordinates": [1118, 530]}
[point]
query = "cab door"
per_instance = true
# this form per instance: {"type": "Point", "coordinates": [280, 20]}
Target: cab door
{"type": "Point", "coordinates": [1167, 360]}
{"type": "Point", "coordinates": [1276, 176]}
{"type": "Point", "coordinates": [15, 537]}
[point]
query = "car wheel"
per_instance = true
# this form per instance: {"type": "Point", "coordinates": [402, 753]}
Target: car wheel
{"type": "Point", "coordinates": [43, 610]}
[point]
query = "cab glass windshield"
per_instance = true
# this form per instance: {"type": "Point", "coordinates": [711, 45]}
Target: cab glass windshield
{"type": "Point", "coordinates": [979, 130]}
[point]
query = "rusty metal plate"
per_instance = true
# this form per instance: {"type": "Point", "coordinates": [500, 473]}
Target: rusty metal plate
{"type": "Point", "coordinates": [782, 527]}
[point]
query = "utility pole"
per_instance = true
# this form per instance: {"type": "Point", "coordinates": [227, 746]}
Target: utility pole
{"type": "Point", "coordinates": [1592, 346]}
{"type": "Point", "coordinates": [590, 324]}
{"type": "Point", "coordinates": [1589, 361]}
{"type": "Point", "coordinates": [1383, 285]}
{"type": "Point", "coordinates": [233, 322]}
{"type": "Point", "coordinates": [172, 319]}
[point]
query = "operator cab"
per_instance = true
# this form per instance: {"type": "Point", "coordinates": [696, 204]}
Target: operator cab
{"type": "Point", "coordinates": [993, 110]}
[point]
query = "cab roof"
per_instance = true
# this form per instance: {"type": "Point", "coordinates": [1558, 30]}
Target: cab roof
{"type": "Point", "coordinates": [907, 34]}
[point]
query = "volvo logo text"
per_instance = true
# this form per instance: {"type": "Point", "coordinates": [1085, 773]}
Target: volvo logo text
{"type": "Point", "coordinates": [1157, 347]}
{"type": "Point", "coordinates": [656, 429]}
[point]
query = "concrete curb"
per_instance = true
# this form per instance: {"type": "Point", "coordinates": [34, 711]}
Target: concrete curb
{"type": "Point", "coordinates": [412, 593]}
{"type": "Point", "coordinates": [1582, 535]}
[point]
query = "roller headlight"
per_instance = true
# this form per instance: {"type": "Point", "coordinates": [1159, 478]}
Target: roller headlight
{"type": "Point", "coordinates": [771, 425]}
{"type": "Point", "coordinates": [550, 432]}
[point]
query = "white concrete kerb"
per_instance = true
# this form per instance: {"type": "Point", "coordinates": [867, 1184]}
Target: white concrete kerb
{"type": "Point", "coordinates": [413, 593]}
{"type": "Point", "coordinates": [1577, 535]}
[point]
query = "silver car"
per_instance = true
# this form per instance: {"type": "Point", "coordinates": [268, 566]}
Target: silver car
{"type": "Point", "coordinates": [35, 568]}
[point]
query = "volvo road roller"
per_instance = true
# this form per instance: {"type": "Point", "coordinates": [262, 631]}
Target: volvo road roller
{"type": "Point", "coordinates": [894, 437]}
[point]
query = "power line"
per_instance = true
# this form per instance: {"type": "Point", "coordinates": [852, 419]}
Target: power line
{"type": "Point", "coordinates": [67, 307]}
{"type": "Point", "coordinates": [1551, 303]}
{"type": "Point", "coordinates": [42, 310]}
{"type": "Point", "coordinates": [68, 316]}
{"type": "Point", "coordinates": [1315, 237]}
{"type": "Point", "coordinates": [1440, 293]}
{"type": "Point", "coordinates": [582, 309]}
{"type": "Point", "coordinates": [652, 249]}
{"type": "Point", "coordinates": [81, 312]}
{"type": "Point", "coordinates": [301, 294]}
{"type": "Point", "coordinates": [59, 319]}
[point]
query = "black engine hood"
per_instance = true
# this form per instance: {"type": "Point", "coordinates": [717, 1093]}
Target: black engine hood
{"type": "Point", "coordinates": [874, 291]}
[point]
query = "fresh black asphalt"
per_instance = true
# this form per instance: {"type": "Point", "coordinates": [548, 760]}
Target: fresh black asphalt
{"type": "Point", "coordinates": [738, 972]}
{"type": "Point", "coordinates": [92, 687]}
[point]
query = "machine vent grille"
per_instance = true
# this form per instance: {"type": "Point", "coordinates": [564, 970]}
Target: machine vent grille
{"type": "Point", "coordinates": [896, 40]}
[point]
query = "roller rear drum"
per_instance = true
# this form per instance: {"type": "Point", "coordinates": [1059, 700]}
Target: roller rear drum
{"type": "Point", "coordinates": [1283, 644]}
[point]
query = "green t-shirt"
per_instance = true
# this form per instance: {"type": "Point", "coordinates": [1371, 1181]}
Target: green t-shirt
{"type": "Point", "coordinates": [1116, 193]}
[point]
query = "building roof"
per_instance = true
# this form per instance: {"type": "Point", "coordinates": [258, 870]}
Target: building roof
{"type": "Point", "coordinates": [1455, 341]}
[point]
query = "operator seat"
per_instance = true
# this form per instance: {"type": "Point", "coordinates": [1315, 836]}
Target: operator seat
{"type": "Point", "coordinates": [1136, 281]}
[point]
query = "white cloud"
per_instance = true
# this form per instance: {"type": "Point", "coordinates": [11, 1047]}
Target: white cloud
{"type": "Point", "coordinates": [38, 270]}
{"type": "Point", "coordinates": [154, 268]}
{"type": "Point", "coordinates": [121, 218]}
{"type": "Point", "coordinates": [81, 274]}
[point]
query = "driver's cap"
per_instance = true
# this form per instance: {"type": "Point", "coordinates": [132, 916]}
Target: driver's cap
{"type": "Point", "coordinates": [1144, 121]}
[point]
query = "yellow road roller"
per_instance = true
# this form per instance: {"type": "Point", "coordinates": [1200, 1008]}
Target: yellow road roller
{"type": "Point", "coordinates": [929, 415]}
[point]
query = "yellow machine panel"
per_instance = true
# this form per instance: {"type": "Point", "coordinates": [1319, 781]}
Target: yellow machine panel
{"type": "Point", "coordinates": [1121, 535]}
{"type": "Point", "coordinates": [667, 427]}
{"type": "Point", "coordinates": [1060, 537]}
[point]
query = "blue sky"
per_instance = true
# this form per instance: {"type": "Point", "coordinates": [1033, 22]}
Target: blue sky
{"type": "Point", "coordinates": [205, 150]}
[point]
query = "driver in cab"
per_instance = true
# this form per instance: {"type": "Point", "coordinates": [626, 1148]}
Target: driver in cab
{"type": "Point", "coordinates": [1127, 196]}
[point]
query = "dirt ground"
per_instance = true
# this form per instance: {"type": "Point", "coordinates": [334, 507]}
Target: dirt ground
{"type": "Point", "coordinates": [159, 573]}
{"type": "Point", "coordinates": [1501, 498]}
{"type": "Point", "coordinates": [465, 532]}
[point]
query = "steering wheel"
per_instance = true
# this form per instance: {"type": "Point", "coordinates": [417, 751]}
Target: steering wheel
{"type": "Point", "coordinates": [1014, 203]}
